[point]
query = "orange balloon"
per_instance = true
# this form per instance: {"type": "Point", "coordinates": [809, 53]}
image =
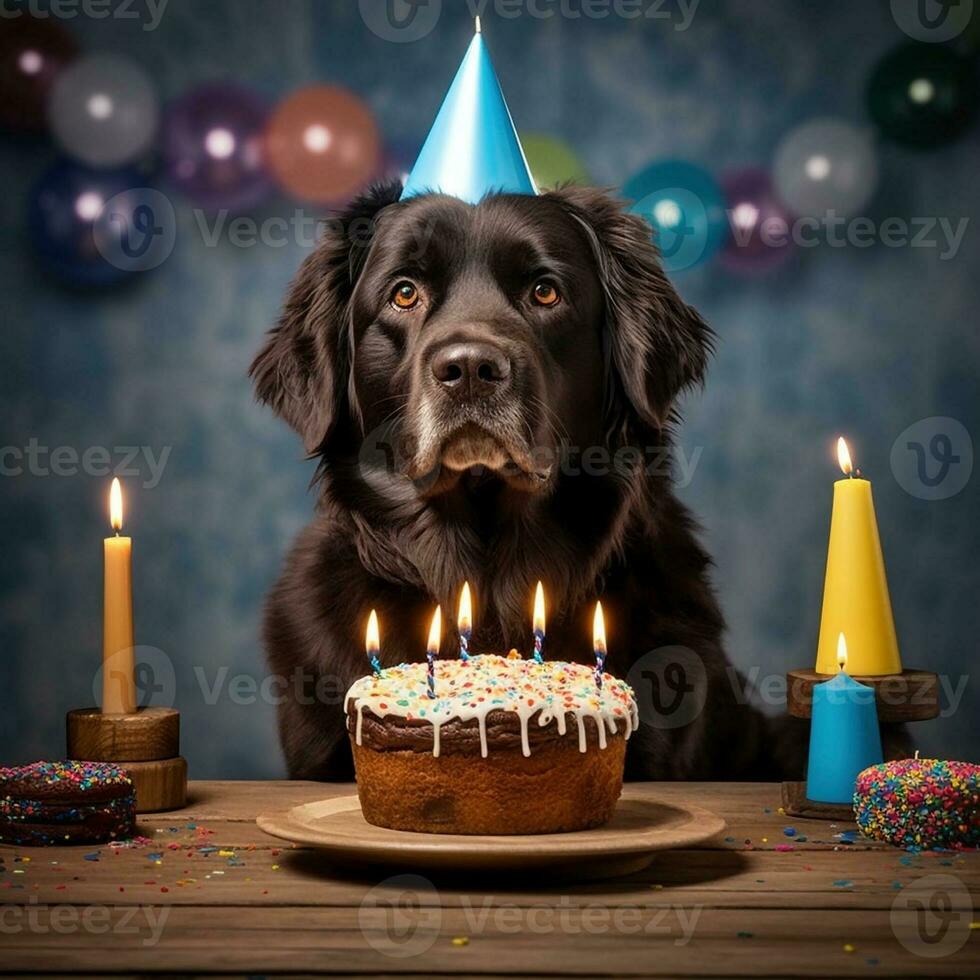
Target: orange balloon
{"type": "Point", "coordinates": [323, 144]}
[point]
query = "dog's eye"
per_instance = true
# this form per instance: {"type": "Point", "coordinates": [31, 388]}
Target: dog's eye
{"type": "Point", "coordinates": [545, 294]}
{"type": "Point", "coordinates": [405, 296]}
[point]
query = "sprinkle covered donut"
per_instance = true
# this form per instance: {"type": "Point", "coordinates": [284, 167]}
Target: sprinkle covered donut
{"type": "Point", "coordinates": [920, 803]}
{"type": "Point", "coordinates": [507, 746]}
{"type": "Point", "coordinates": [67, 802]}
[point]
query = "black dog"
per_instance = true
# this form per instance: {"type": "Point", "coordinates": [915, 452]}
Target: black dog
{"type": "Point", "coordinates": [488, 390]}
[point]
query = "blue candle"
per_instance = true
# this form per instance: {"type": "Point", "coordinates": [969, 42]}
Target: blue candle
{"type": "Point", "coordinates": [844, 735]}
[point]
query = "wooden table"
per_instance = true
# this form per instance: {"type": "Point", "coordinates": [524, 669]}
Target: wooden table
{"type": "Point", "coordinates": [209, 892]}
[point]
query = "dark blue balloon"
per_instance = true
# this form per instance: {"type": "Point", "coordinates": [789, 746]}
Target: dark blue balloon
{"type": "Point", "coordinates": [99, 227]}
{"type": "Point", "coordinates": [686, 209]}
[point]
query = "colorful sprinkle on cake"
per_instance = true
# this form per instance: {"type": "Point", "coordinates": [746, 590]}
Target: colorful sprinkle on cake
{"type": "Point", "coordinates": [920, 803]}
{"type": "Point", "coordinates": [65, 802]}
{"type": "Point", "coordinates": [472, 689]}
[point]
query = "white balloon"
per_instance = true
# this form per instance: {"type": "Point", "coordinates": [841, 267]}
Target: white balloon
{"type": "Point", "coordinates": [826, 165]}
{"type": "Point", "coordinates": [103, 110]}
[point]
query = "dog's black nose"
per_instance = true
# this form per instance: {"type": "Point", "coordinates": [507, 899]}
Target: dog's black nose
{"type": "Point", "coordinates": [471, 367]}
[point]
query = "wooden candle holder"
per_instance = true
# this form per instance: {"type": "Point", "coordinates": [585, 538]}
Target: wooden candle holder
{"type": "Point", "coordinates": [912, 695]}
{"type": "Point", "coordinates": [145, 743]}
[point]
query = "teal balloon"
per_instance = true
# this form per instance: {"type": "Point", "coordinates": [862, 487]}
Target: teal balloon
{"type": "Point", "coordinates": [923, 95]}
{"type": "Point", "coordinates": [686, 209]}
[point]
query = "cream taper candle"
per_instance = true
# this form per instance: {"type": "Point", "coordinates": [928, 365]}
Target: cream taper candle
{"type": "Point", "coordinates": [118, 674]}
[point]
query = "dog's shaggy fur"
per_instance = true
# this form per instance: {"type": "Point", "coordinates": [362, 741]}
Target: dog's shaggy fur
{"type": "Point", "coordinates": [545, 461]}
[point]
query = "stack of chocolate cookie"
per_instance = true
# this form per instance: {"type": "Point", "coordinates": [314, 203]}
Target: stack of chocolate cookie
{"type": "Point", "coordinates": [66, 803]}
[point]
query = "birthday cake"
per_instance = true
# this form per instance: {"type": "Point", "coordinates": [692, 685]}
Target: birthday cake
{"type": "Point", "coordinates": [507, 746]}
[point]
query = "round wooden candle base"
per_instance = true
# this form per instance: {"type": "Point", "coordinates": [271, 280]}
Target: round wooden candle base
{"type": "Point", "coordinates": [145, 743]}
{"type": "Point", "coordinates": [145, 735]}
{"type": "Point", "coordinates": [160, 784]}
{"type": "Point", "coordinates": [796, 804]}
{"type": "Point", "coordinates": [912, 695]}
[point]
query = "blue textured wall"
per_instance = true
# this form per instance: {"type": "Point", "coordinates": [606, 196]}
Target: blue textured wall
{"type": "Point", "coordinates": [860, 341]}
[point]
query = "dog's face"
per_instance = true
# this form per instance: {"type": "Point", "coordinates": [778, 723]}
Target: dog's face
{"type": "Point", "coordinates": [493, 338]}
{"type": "Point", "coordinates": [483, 325]}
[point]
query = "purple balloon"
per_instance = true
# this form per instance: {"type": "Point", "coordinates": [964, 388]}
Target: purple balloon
{"type": "Point", "coordinates": [761, 226]}
{"type": "Point", "coordinates": [212, 147]}
{"type": "Point", "coordinates": [397, 159]}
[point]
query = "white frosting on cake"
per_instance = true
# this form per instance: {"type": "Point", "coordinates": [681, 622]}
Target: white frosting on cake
{"type": "Point", "coordinates": [471, 689]}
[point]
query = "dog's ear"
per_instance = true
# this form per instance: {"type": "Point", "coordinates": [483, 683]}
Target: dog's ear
{"type": "Point", "coordinates": [302, 372]}
{"type": "Point", "coordinates": [658, 344]}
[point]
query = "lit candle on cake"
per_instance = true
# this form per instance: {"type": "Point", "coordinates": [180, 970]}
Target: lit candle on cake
{"type": "Point", "coordinates": [372, 642]}
{"type": "Point", "coordinates": [844, 736]}
{"type": "Point", "coordinates": [538, 623]}
{"type": "Point", "coordinates": [599, 644]}
{"type": "Point", "coordinates": [855, 594]}
{"type": "Point", "coordinates": [432, 649]}
{"type": "Point", "coordinates": [465, 622]}
{"type": "Point", "coordinates": [118, 676]}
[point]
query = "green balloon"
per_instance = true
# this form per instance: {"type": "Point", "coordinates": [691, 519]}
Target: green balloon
{"type": "Point", "coordinates": [922, 95]}
{"type": "Point", "coordinates": [552, 161]}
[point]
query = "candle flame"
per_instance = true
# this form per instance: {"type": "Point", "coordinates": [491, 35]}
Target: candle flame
{"type": "Point", "coordinates": [435, 631]}
{"type": "Point", "coordinates": [841, 652]}
{"type": "Point", "coordinates": [538, 621]}
{"type": "Point", "coordinates": [844, 457]}
{"type": "Point", "coordinates": [372, 640]}
{"type": "Point", "coordinates": [465, 620]}
{"type": "Point", "coordinates": [115, 505]}
{"type": "Point", "coordinates": [598, 630]}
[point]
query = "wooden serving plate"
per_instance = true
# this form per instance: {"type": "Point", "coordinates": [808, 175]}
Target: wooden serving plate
{"type": "Point", "coordinates": [628, 843]}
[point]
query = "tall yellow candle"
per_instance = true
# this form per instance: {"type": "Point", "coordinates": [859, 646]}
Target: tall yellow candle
{"type": "Point", "coordinates": [118, 676]}
{"type": "Point", "coordinates": [855, 592]}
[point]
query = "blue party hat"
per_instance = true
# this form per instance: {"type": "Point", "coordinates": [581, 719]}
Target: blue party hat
{"type": "Point", "coordinates": [472, 148]}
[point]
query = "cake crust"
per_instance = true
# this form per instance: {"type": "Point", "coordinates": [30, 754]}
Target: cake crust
{"type": "Point", "coordinates": [554, 790]}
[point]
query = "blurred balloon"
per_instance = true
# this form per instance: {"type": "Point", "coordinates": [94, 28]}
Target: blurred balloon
{"type": "Point", "coordinates": [552, 161]}
{"type": "Point", "coordinates": [826, 165]}
{"type": "Point", "coordinates": [760, 224]}
{"type": "Point", "coordinates": [98, 227]}
{"type": "Point", "coordinates": [103, 111]}
{"type": "Point", "coordinates": [922, 95]}
{"type": "Point", "coordinates": [323, 144]}
{"type": "Point", "coordinates": [213, 147]}
{"type": "Point", "coordinates": [32, 52]}
{"type": "Point", "coordinates": [396, 160]}
{"type": "Point", "coordinates": [685, 206]}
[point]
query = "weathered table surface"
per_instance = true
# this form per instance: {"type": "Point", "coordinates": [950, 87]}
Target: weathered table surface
{"type": "Point", "coordinates": [209, 892]}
